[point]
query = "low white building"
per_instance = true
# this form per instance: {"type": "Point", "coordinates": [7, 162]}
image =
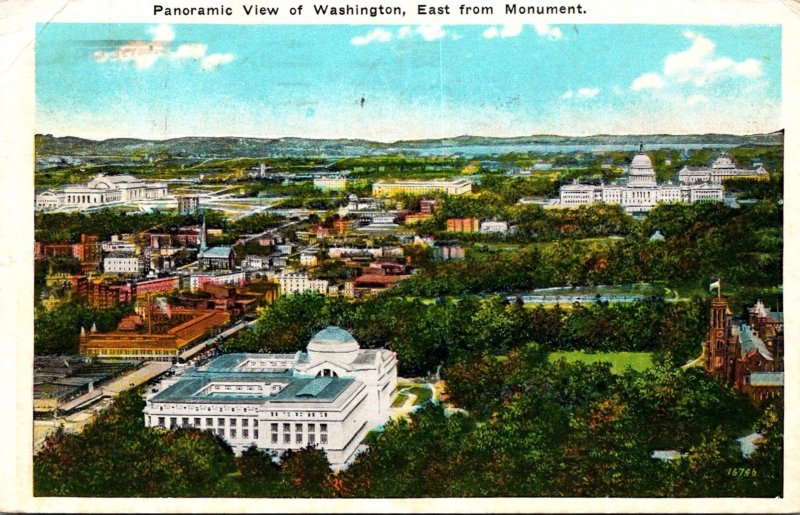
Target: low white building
{"type": "Point", "coordinates": [722, 168]}
{"type": "Point", "coordinates": [299, 282]}
{"type": "Point", "coordinates": [329, 396]}
{"type": "Point", "coordinates": [453, 186]}
{"type": "Point", "coordinates": [100, 191]}
{"type": "Point", "coordinates": [252, 262]}
{"type": "Point", "coordinates": [330, 183]}
{"type": "Point", "coordinates": [494, 226]}
{"type": "Point", "coordinates": [122, 263]}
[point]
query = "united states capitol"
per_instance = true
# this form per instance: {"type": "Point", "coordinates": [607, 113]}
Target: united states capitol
{"type": "Point", "coordinates": [641, 192]}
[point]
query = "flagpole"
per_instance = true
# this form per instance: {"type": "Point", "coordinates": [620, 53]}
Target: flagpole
{"type": "Point", "coordinates": [719, 288]}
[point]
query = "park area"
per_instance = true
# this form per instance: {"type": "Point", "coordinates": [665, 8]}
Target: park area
{"type": "Point", "coordinates": [638, 361]}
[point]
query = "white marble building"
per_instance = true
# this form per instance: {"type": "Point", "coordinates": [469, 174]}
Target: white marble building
{"type": "Point", "coordinates": [641, 193]}
{"type": "Point", "coordinates": [100, 191]}
{"type": "Point", "coordinates": [722, 168]}
{"type": "Point", "coordinates": [329, 396]}
{"type": "Point", "coordinates": [299, 282]}
{"type": "Point", "coordinates": [122, 263]}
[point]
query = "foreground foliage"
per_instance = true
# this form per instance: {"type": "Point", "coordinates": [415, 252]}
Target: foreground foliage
{"type": "Point", "coordinates": [532, 429]}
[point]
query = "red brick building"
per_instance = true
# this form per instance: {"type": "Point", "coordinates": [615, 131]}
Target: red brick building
{"type": "Point", "coordinates": [99, 294]}
{"type": "Point", "coordinates": [87, 251]}
{"type": "Point", "coordinates": [463, 224]}
{"type": "Point", "coordinates": [748, 356]}
{"type": "Point", "coordinates": [161, 338]}
{"type": "Point", "coordinates": [162, 285]}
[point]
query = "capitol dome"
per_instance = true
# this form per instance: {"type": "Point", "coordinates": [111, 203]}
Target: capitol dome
{"type": "Point", "coordinates": [724, 161]}
{"type": "Point", "coordinates": [640, 161]}
{"type": "Point", "coordinates": [333, 344]}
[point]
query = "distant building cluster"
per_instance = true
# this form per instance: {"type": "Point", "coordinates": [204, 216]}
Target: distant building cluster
{"type": "Point", "coordinates": [330, 396]}
{"type": "Point", "coordinates": [103, 190]}
{"type": "Point", "coordinates": [642, 192]}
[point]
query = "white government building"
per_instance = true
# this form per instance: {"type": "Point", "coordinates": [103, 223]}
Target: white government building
{"type": "Point", "coordinates": [722, 168]}
{"type": "Point", "coordinates": [329, 396]}
{"type": "Point", "coordinates": [641, 193]}
{"type": "Point", "coordinates": [330, 183]}
{"type": "Point", "coordinates": [100, 191]}
{"type": "Point", "coordinates": [451, 186]}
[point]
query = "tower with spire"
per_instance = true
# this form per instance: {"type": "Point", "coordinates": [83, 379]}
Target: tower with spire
{"type": "Point", "coordinates": [203, 245]}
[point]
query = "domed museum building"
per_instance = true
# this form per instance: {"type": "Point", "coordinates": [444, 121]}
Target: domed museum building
{"type": "Point", "coordinates": [329, 396]}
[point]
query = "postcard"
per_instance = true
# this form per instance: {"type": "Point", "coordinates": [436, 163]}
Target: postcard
{"type": "Point", "coordinates": [382, 256]}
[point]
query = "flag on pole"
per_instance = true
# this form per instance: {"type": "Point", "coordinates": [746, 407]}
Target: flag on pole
{"type": "Point", "coordinates": [713, 285]}
{"type": "Point", "coordinates": [164, 305]}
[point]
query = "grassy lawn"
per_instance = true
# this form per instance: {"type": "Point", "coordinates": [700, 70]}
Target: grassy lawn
{"type": "Point", "coordinates": [423, 394]}
{"type": "Point", "coordinates": [619, 360]}
{"type": "Point", "coordinates": [399, 400]}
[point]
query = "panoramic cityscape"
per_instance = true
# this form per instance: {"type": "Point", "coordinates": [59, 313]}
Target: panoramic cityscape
{"type": "Point", "coordinates": [363, 263]}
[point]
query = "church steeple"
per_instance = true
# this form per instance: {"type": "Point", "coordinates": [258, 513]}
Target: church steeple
{"type": "Point", "coordinates": [203, 235]}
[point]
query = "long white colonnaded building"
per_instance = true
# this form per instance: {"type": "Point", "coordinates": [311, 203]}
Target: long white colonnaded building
{"type": "Point", "coordinates": [100, 191]}
{"type": "Point", "coordinates": [642, 192]}
{"type": "Point", "coordinates": [329, 396]}
{"type": "Point", "coordinates": [721, 169]}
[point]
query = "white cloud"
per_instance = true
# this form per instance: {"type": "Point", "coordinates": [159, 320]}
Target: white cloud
{"type": "Point", "coordinates": [190, 51]}
{"type": "Point", "coordinates": [698, 65]}
{"type": "Point", "coordinates": [145, 53]}
{"type": "Point", "coordinates": [214, 60]}
{"type": "Point", "coordinates": [379, 35]}
{"type": "Point", "coordinates": [547, 31]}
{"type": "Point", "coordinates": [163, 33]}
{"type": "Point", "coordinates": [749, 68]}
{"type": "Point", "coordinates": [509, 30]}
{"type": "Point", "coordinates": [426, 32]}
{"type": "Point", "coordinates": [581, 93]}
{"type": "Point", "coordinates": [431, 32]}
{"type": "Point", "coordinates": [647, 81]}
{"type": "Point", "coordinates": [693, 100]}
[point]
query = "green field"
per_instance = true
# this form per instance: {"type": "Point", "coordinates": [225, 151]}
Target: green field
{"type": "Point", "coordinates": [423, 394]}
{"type": "Point", "coordinates": [619, 360]}
{"type": "Point", "coordinates": [399, 400]}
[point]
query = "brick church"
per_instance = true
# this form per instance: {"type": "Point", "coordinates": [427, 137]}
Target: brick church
{"type": "Point", "coordinates": [747, 355]}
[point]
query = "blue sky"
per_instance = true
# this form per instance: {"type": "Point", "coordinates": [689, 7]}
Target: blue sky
{"type": "Point", "coordinates": [161, 81]}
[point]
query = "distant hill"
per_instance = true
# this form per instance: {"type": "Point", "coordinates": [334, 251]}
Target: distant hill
{"type": "Point", "coordinates": [48, 145]}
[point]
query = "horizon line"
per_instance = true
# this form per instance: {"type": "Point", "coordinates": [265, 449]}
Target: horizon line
{"type": "Point", "coordinates": [461, 136]}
